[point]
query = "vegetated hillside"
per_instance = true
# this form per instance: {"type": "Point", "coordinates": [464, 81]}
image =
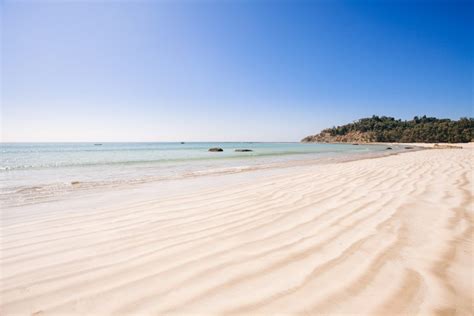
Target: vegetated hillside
{"type": "Point", "coordinates": [388, 129]}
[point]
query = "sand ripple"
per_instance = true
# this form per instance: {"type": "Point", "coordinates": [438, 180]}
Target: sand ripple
{"type": "Point", "coordinates": [381, 236]}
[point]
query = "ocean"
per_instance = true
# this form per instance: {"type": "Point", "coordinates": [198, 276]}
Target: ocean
{"type": "Point", "coordinates": [36, 171]}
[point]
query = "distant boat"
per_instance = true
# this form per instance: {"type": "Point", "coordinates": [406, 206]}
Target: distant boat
{"type": "Point", "coordinates": [97, 144]}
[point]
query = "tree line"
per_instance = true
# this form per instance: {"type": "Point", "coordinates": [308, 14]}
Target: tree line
{"type": "Point", "coordinates": [419, 129]}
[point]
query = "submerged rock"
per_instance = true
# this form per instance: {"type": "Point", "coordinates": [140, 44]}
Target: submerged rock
{"type": "Point", "coordinates": [388, 148]}
{"type": "Point", "coordinates": [243, 150]}
{"type": "Point", "coordinates": [408, 147]}
{"type": "Point", "coordinates": [216, 149]}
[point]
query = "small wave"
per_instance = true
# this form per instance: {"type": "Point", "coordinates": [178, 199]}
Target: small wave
{"type": "Point", "coordinates": [149, 161]}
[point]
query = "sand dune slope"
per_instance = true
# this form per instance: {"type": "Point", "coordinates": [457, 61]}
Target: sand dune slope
{"type": "Point", "coordinates": [385, 236]}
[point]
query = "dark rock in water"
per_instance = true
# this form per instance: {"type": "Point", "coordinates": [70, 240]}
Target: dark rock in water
{"type": "Point", "coordinates": [97, 144]}
{"type": "Point", "coordinates": [215, 149]}
{"type": "Point", "coordinates": [355, 144]}
{"type": "Point", "coordinates": [182, 142]}
{"type": "Point", "coordinates": [408, 147]}
{"type": "Point", "coordinates": [388, 148]}
{"type": "Point", "coordinates": [75, 182]}
{"type": "Point", "coordinates": [243, 150]}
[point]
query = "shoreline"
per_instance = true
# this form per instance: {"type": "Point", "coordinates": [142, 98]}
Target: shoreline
{"type": "Point", "coordinates": [423, 145]}
{"type": "Point", "coordinates": [42, 193]}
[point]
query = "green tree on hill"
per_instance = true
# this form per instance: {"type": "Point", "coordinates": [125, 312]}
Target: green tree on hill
{"type": "Point", "coordinates": [420, 129]}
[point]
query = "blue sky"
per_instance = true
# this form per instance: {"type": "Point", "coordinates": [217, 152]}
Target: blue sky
{"type": "Point", "coordinates": [228, 70]}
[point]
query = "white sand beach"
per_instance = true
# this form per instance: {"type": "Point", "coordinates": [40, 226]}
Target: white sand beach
{"type": "Point", "coordinates": [382, 236]}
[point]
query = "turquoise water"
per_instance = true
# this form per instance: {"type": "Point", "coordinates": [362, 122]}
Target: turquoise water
{"type": "Point", "coordinates": [32, 170]}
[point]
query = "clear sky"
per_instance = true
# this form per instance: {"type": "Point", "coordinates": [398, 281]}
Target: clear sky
{"type": "Point", "coordinates": [228, 70]}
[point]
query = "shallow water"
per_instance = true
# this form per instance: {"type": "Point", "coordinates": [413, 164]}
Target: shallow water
{"type": "Point", "coordinates": [30, 171]}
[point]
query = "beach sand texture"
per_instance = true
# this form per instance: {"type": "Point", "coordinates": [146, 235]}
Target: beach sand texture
{"type": "Point", "coordinates": [383, 236]}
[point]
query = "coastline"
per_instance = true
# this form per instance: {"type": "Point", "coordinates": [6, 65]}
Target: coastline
{"type": "Point", "coordinates": [421, 145]}
{"type": "Point", "coordinates": [325, 238]}
{"type": "Point", "coordinates": [40, 193]}
{"type": "Point", "coordinates": [434, 145]}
